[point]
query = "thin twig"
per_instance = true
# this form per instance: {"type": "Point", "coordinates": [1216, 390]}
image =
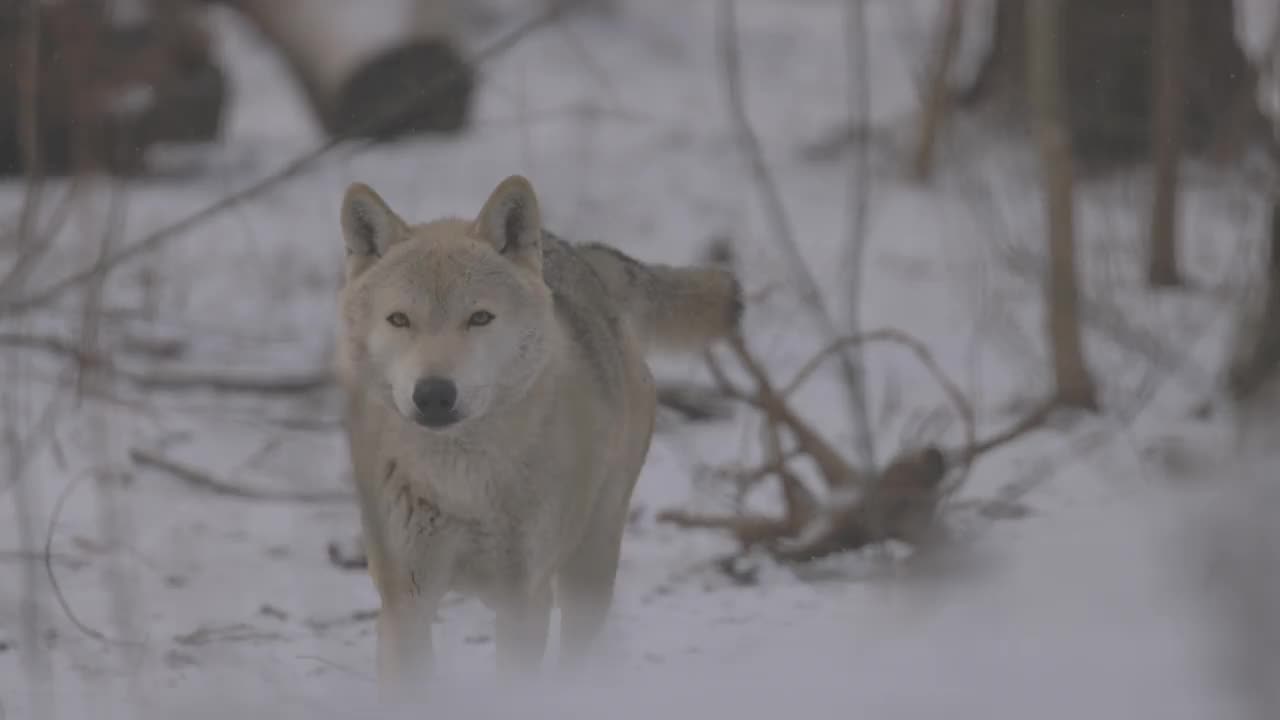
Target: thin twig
{"type": "Point", "coordinates": [775, 210]}
{"type": "Point", "coordinates": [296, 167]}
{"type": "Point", "coordinates": [833, 466]}
{"type": "Point", "coordinates": [36, 248]}
{"type": "Point", "coordinates": [1031, 421]}
{"type": "Point", "coordinates": [922, 353]}
{"type": "Point", "coordinates": [936, 95]}
{"type": "Point", "coordinates": [748, 530]}
{"type": "Point", "coordinates": [339, 667]}
{"type": "Point", "coordinates": [858, 66]}
{"type": "Point", "coordinates": [201, 480]}
{"type": "Point", "coordinates": [113, 520]}
{"type": "Point", "coordinates": [19, 556]}
{"type": "Point", "coordinates": [300, 384]}
{"type": "Point", "coordinates": [269, 385]}
{"type": "Point", "coordinates": [53, 577]}
{"type": "Point", "coordinates": [801, 506]}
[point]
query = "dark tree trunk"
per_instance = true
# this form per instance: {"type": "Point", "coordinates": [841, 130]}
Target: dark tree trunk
{"type": "Point", "coordinates": [1075, 386]}
{"type": "Point", "coordinates": [1259, 355]}
{"type": "Point", "coordinates": [78, 71]}
{"type": "Point", "coordinates": [1172, 33]}
{"type": "Point", "coordinates": [1107, 54]}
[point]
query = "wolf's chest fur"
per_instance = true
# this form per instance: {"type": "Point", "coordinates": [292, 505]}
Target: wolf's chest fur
{"type": "Point", "coordinates": [496, 511]}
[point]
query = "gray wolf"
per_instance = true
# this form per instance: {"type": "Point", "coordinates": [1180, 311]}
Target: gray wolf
{"type": "Point", "coordinates": [499, 410]}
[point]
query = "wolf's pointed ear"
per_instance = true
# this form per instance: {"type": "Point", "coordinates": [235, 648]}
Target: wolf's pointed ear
{"type": "Point", "coordinates": [511, 223]}
{"type": "Point", "coordinates": [369, 226]}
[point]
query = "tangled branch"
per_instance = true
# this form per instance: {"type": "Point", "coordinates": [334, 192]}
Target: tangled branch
{"type": "Point", "coordinates": [861, 507]}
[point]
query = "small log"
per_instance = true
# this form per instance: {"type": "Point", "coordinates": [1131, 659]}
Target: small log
{"type": "Point", "coordinates": [375, 69]}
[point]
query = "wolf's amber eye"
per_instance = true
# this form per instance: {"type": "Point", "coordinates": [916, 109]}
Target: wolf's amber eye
{"type": "Point", "coordinates": [398, 319]}
{"type": "Point", "coordinates": [480, 318]}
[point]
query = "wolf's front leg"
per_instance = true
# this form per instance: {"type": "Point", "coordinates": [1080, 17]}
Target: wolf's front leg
{"type": "Point", "coordinates": [523, 619]}
{"type": "Point", "coordinates": [411, 591]}
{"type": "Point", "coordinates": [405, 653]}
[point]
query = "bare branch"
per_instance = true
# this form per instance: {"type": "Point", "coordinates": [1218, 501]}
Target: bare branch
{"type": "Point", "coordinates": [774, 209]}
{"type": "Point", "coordinates": [53, 577]}
{"type": "Point", "coordinates": [937, 96]}
{"type": "Point", "coordinates": [834, 468]}
{"type": "Point", "coordinates": [858, 67]}
{"type": "Point", "coordinates": [890, 335]}
{"type": "Point", "coordinates": [799, 503]}
{"type": "Point", "coordinates": [1034, 419]}
{"type": "Point", "coordinates": [900, 503]}
{"type": "Point", "coordinates": [300, 384]}
{"type": "Point", "coordinates": [749, 530]}
{"type": "Point", "coordinates": [35, 246]}
{"type": "Point", "coordinates": [203, 481]}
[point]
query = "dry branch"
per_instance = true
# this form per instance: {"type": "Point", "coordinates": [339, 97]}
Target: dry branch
{"type": "Point", "coordinates": [203, 481]}
{"type": "Point", "coordinates": [775, 210]}
{"type": "Point", "coordinates": [857, 212]}
{"type": "Point", "coordinates": [937, 96]}
{"type": "Point", "coordinates": [1031, 421]}
{"type": "Point", "coordinates": [898, 503]}
{"type": "Point", "coordinates": [58, 595]}
{"type": "Point", "coordinates": [298, 384]}
{"type": "Point", "coordinates": [922, 353]}
{"type": "Point", "coordinates": [34, 248]}
{"type": "Point", "coordinates": [775, 408]}
{"type": "Point", "coordinates": [748, 530]}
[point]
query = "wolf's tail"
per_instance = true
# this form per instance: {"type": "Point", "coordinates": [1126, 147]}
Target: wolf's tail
{"type": "Point", "coordinates": [672, 308]}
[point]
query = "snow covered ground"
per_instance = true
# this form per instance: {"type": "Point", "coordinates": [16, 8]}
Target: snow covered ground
{"type": "Point", "coordinates": [1089, 602]}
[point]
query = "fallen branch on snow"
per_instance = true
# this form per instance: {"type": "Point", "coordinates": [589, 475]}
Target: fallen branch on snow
{"type": "Point", "coordinates": [862, 508]}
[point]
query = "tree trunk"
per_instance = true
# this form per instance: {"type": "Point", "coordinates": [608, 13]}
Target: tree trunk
{"type": "Point", "coordinates": [1166, 140]}
{"type": "Point", "coordinates": [1075, 386]}
{"type": "Point", "coordinates": [1258, 351]}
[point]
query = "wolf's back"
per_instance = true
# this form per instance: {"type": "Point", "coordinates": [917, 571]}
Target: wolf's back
{"type": "Point", "coordinates": [673, 308]}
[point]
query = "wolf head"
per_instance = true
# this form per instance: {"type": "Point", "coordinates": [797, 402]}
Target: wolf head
{"type": "Point", "coordinates": [447, 320]}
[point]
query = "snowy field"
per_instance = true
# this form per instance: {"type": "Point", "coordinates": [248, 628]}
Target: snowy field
{"type": "Point", "coordinates": [1078, 584]}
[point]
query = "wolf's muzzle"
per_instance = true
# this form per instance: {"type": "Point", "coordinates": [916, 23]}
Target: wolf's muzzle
{"type": "Point", "coordinates": [435, 400]}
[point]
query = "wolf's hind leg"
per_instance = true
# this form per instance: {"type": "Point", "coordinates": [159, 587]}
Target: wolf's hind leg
{"type": "Point", "coordinates": [585, 586]}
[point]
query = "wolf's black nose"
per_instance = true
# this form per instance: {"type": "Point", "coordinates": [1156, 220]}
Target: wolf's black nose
{"type": "Point", "coordinates": [434, 398]}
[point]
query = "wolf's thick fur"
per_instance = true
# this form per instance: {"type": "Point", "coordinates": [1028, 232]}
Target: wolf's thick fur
{"type": "Point", "coordinates": [516, 476]}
